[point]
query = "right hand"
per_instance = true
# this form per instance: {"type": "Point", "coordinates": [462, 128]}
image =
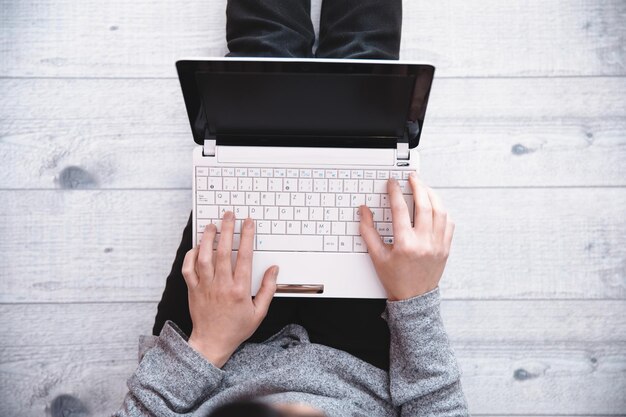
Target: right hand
{"type": "Point", "coordinates": [414, 263]}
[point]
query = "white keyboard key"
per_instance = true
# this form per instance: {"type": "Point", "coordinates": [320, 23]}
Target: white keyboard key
{"type": "Point", "coordinates": [384, 200]}
{"type": "Point", "coordinates": [259, 184]}
{"type": "Point", "coordinates": [305, 173]}
{"type": "Point", "coordinates": [308, 228]}
{"type": "Point", "coordinates": [268, 199]}
{"type": "Point", "coordinates": [223, 209]}
{"type": "Point", "coordinates": [297, 199]}
{"type": "Point", "coordinates": [305, 185]}
{"type": "Point", "coordinates": [345, 243]}
{"type": "Point", "coordinates": [282, 199]}
{"type": "Point", "coordinates": [322, 228]}
{"type": "Point", "coordinates": [241, 212]}
{"type": "Point", "coordinates": [366, 186]}
{"type": "Point", "coordinates": [205, 197]}
{"type": "Point", "coordinates": [206, 212]}
{"type": "Point", "coordinates": [331, 214]}
{"type": "Point", "coordinates": [316, 213]}
{"type": "Point", "coordinates": [359, 244]}
{"type": "Point", "coordinates": [218, 224]}
{"type": "Point", "coordinates": [253, 198]}
{"type": "Point", "coordinates": [377, 214]}
{"type": "Point", "coordinates": [380, 187]}
{"type": "Point", "coordinates": [350, 186]}
{"type": "Point", "coordinates": [405, 186]}
{"type": "Point", "coordinates": [344, 174]}
{"type": "Point", "coordinates": [293, 227]}
{"type": "Point", "coordinates": [238, 223]}
{"type": "Point", "coordinates": [346, 214]}
{"type": "Point", "coordinates": [388, 240]}
{"type": "Point", "coordinates": [228, 172]}
{"type": "Point", "coordinates": [372, 200]}
{"type": "Point", "coordinates": [342, 200]}
{"type": "Point", "coordinates": [410, 203]}
{"type": "Point", "coordinates": [202, 224]}
{"type": "Point", "coordinates": [215, 183]}
{"type": "Point", "coordinates": [292, 173]}
{"type": "Point", "coordinates": [201, 183]}
{"type": "Point", "coordinates": [241, 172]}
{"type": "Point", "coordinates": [357, 214]}
{"type": "Point", "coordinates": [387, 215]}
{"type": "Point", "coordinates": [352, 229]}
{"type": "Point", "coordinates": [312, 199]}
{"type": "Point", "coordinates": [369, 174]}
{"type": "Point", "coordinates": [301, 213]}
{"type": "Point", "coordinates": [320, 185]}
{"type": "Point", "coordinates": [328, 200]}
{"type": "Point", "coordinates": [255, 212]}
{"type": "Point", "coordinates": [263, 226]}
{"type": "Point", "coordinates": [202, 171]}
{"type": "Point", "coordinates": [280, 173]}
{"type": "Point", "coordinates": [384, 229]}
{"type": "Point", "coordinates": [300, 243]}
{"type": "Point", "coordinates": [215, 172]}
{"type": "Point", "coordinates": [357, 173]}
{"type": "Point", "coordinates": [278, 227]}
{"type": "Point", "coordinates": [318, 173]}
{"type": "Point", "coordinates": [271, 213]}
{"type": "Point", "coordinates": [382, 175]}
{"type": "Point", "coordinates": [222, 197]}
{"type": "Point", "coordinates": [357, 199]}
{"type": "Point", "coordinates": [338, 228]}
{"type": "Point", "coordinates": [237, 198]}
{"type": "Point", "coordinates": [290, 184]}
{"type": "Point", "coordinates": [267, 172]}
{"type": "Point", "coordinates": [285, 213]}
{"type": "Point", "coordinates": [245, 184]}
{"type": "Point", "coordinates": [395, 174]}
{"type": "Point", "coordinates": [230, 184]}
{"type": "Point", "coordinates": [275, 184]}
{"type": "Point", "coordinates": [330, 243]}
{"type": "Point", "coordinates": [254, 172]}
{"type": "Point", "coordinates": [405, 175]}
{"type": "Point", "coordinates": [330, 173]}
{"type": "Point", "coordinates": [335, 186]}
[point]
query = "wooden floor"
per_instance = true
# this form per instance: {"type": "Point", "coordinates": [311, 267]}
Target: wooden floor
{"type": "Point", "coordinates": [525, 140]}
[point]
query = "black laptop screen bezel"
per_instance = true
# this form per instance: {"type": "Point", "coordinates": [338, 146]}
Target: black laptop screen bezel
{"type": "Point", "coordinates": [423, 73]}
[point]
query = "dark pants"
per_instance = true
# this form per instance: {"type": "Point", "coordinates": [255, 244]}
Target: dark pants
{"type": "Point", "coordinates": [356, 29]}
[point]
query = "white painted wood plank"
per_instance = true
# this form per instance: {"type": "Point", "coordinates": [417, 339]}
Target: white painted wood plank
{"type": "Point", "coordinates": [119, 245]}
{"type": "Point", "coordinates": [478, 132]}
{"type": "Point", "coordinates": [143, 38]}
{"type": "Point", "coordinates": [511, 362]}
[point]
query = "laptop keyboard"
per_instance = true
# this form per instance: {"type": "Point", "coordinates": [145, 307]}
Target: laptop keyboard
{"type": "Point", "coordinates": [312, 210]}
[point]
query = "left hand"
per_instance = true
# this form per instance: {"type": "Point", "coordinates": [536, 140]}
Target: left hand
{"type": "Point", "coordinates": [222, 311]}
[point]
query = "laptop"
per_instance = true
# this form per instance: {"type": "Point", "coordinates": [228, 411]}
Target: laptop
{"type": "Point", "coordinates": [298, 145]}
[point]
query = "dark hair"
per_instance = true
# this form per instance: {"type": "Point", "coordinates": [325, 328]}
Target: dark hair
{"type": "Point", "coordinates": [245, 409]}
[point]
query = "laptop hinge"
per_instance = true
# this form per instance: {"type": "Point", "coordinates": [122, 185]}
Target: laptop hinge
{"type": "Point", "coordinates": [402, 151]}
{"type": "Point", "coordinates": [209, 147]}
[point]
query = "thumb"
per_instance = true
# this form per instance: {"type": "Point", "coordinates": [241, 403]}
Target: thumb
{"type": "Point", "coordinates": [368, 233]}
{"type": "Point", "coordinates": [264, 297]}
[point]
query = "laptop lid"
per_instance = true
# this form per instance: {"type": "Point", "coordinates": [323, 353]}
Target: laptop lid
{"type": "Point", "coordinates": [305, 102]}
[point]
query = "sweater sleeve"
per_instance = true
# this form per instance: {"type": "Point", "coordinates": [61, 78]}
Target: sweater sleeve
{"type": "Point", "coordinates": [172, 379]}
{"type": "Point", "coordinates": [424, 376]}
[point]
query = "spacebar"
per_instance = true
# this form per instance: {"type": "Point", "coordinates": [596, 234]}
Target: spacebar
{"type": "Point", "coordinates": [291, 243]}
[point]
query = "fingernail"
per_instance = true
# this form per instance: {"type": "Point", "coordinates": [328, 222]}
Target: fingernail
{"type": "Point", "coordinates": [393, 180]}
{"type": "Point", "coordinates": [248, 223]}
{"type": "Point", "coordinates": [413, 174]}
{"type": "Point", "coordinates": [275, 272]}
{"type": "Point", "coordinates": [228, 215]}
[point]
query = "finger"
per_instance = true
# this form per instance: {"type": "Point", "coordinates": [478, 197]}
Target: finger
{"type": "Point", "coordinates": [369, 233]}
{"type": "Point", "coordinates": [223, 263]}
{"type": "Point", "coordinates": [204, 264]}
{"type": "Point", "coordinates": [243, 267]}
{"type": "Point", "coordinates": [440, 216]}
{"type": "Point", "coordinates": [423, 208]}
{"type": "Point", "coordinates": [189, 268]}
{"type": "Point", "coordinates": [265, 294]}
{"type": "Point", "coordinates": [400, 218]}
{"type": "Point", "coordinates": [447, 238]}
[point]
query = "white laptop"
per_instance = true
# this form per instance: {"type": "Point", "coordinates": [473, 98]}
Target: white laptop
{"type": "Point", "coordinates": [298, 145]}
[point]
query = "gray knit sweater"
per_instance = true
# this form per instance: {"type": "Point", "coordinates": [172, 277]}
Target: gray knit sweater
{"type": "Point", "coordinates": [423, 380]}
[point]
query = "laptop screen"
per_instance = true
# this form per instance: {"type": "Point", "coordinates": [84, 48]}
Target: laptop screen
{"type": "Point", "coordinates": [300, 102]}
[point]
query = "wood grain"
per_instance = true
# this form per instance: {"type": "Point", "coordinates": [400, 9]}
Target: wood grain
{"type": "Point", "coordinates": [143, 39]}
{"type": "Point", "coordinates": [479, 132]}
{"type": "Point", "coordinates": [517, 357]}
{"type": "Point", "coordinates": [118, 245]}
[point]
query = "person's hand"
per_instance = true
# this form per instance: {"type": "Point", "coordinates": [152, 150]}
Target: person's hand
{"type": "Point", "coordinates": [414, 263]}
{"type": "Point", "coordinates": [222, 311]}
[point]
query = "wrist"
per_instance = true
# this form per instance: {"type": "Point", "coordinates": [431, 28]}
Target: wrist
{"type": "Point", "coordinates": [212, 352]}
